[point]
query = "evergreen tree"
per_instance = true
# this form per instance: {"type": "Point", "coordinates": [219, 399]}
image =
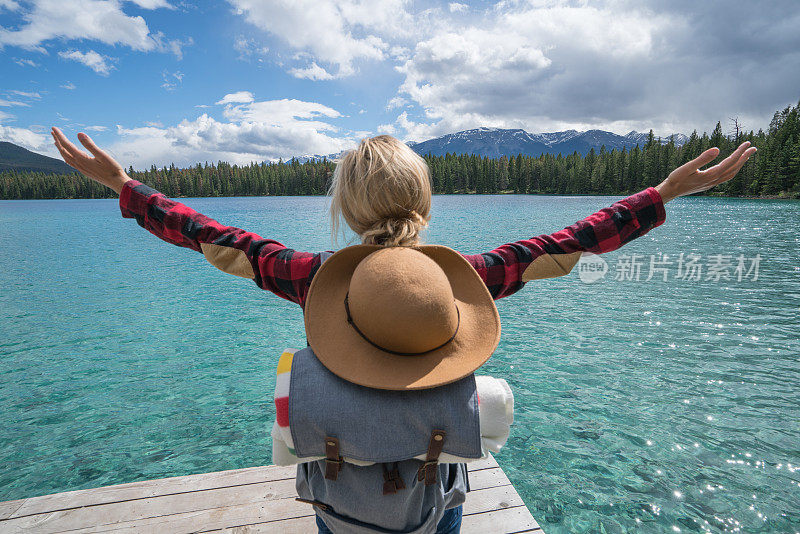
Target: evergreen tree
{"type": "Point", "coordinates": [774, 170]}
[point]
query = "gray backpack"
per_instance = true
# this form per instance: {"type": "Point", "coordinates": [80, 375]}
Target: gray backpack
{"type": "Point", "coordinates": [344, 422]}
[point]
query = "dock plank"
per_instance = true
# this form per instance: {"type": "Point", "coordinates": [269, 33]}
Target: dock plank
{"type": "Point", "coordinates": [76, 514]}
{"type": "Point", "coordinates": [149, 488]}
{"type": "Point", "coordinates": [508, 520]}
{"type": "Point", "coordinates": [262, 517]}
{"type": "Point", "coordinates": [241, 501]}
{"type": "Point", "coordinates": [163, 486]}
{"type": "Point", "coordinates": [8, 508]}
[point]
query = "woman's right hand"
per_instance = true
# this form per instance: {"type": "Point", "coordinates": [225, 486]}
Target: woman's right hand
{"type": "Point", "coordinates": [101, 168]}
{"type": "Point", "coordinates": [688, 178]}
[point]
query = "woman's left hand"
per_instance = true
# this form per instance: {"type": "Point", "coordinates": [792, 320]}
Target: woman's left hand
{"type": "Point", "coordinates": [101, 168]}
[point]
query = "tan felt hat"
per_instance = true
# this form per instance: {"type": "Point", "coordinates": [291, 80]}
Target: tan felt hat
{"type": "Point", "coordinates": [400, 318]}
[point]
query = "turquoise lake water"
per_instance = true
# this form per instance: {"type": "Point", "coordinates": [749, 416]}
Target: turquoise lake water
{"type": "Point", "coordinates": [652, 406]}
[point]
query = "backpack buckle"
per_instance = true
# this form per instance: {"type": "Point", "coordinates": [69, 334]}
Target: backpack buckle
{"type": "Point", "coordinates": [428, 469]}
{"type": "Point", "coordinates": [333, 461]}
{"type": "Point", "coordinates": [392, 480]}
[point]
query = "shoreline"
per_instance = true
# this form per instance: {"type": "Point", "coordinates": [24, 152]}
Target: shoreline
{"type": "Point", "coordinates": [504, 193]}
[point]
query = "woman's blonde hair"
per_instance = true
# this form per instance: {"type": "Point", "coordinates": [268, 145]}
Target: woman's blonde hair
{"type": "Point", "coordinates": [382, 190]}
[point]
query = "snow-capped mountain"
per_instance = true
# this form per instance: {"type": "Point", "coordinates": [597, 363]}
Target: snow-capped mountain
{"type": "Point", "coordinates": [497, 142]}
{"type": "Point", "coordinates": [641, 138]}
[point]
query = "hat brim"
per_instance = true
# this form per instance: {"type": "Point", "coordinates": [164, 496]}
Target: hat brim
{"type": "Point", "coordinates": [345, 353]}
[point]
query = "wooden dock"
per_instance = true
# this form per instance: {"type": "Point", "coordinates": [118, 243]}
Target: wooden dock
{"type": "Point", "coordinates": [241, 501]}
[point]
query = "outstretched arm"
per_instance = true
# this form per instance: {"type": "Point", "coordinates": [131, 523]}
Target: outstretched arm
{"type": "Point", "coordinates": [506, 269]}
{"type": "Point", "coordinates": [274, 267]}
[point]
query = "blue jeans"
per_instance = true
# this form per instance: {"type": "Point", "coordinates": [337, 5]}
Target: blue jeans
{"type": "Point", "coordinates": [449, 524]}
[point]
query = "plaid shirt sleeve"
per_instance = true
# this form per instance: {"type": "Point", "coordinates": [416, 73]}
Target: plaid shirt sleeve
{"type": "Point", "coordinates": [272, 266]}
{"type": "Point", "coordinates": [505, 269]}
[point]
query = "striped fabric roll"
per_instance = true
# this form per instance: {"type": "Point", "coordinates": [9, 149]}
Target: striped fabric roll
{"type": "Point", "coordinates": [282, 399]}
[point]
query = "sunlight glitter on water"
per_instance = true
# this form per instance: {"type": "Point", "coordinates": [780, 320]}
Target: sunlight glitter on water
{"type": "Point", "coordinates": [626, 392]}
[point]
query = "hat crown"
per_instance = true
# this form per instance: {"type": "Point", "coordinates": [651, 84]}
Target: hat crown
{"type": "Point", "coordinates": [401, 300]}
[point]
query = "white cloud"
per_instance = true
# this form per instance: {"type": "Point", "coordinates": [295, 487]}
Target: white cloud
{"type": "Point", "coordinates": [152, 4]}
{"type": "Point", "coordinates": [389, 129]}
{"type": "Point", "coordinates": [334, 33]}
{"type": "Point", "coordinates": [95, 128]}
{"type": "Point", "coordinates": [616, 65]}
{"type": "Point", "coordinates": [507, 71]}
{"type": "Point", "coordinates": [27, 94]}
{"type": "Point", "coordinates": [96, 20]}
{"type": "Point", "coordinates": [10, 5]}
{"type": "Point", "coordinates": [69, 86]}
{"type": "Point", "coordinates": [12, 98]}
{"type": "Point", "coordinates": [174, 46]}
{"type": "Point", "coordinates": [239, 97]}
{"type": "Point", "coordinates": [171, 80]}
{"type": "Point", "coordinates": [283, 111]}
{"type": "Point", "coordinates": [396, 102]}
{"type": "Point", "coordinates": [542, 65]}
{"type": "Point", "coordinates": [9, 103]}
{"type": "Point", "coordinates": [253, 131]}
{"type": "Point", "coordinates": [464, 78]}
{"type": "Point", "coordinates": [399, 53]}
{"type": "Point", "coordinates": [23, 137]}
{"type": "Point", "coordinates": [418, 131]}
{"type": "Point", "coordinates": [312, 72]}
{"type": "Point", "coordinates": [97, 62]}
{"type": "Point", "coordinates": [250, 49]}
{"type": "Point", "coordinates": [22, 62]}
{"type": "Point", "coordinates": [385, 18]}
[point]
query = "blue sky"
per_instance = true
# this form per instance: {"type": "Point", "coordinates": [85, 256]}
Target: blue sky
{"type": "Point", "coordinates": [160, 81]}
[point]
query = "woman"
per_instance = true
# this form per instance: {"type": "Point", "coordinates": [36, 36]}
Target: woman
{"type": "Point", "coordinates": [382, 190]}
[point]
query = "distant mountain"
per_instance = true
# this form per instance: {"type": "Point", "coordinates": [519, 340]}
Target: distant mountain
{"type": "Point", "coordinates": [497, 142]}
{"type": "Point", "coordinates": [641, 138]}
{"type": "Point", "coordinates": [312, 157]}
{"type": "Point", "coordinates": [16, 158]}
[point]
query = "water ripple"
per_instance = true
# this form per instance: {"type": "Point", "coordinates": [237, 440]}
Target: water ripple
{"type": "Point", "coordinates": [641, 406]}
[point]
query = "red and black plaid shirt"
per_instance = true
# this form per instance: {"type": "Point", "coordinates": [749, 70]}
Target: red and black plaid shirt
{"type": "Point", "coordinates": [288, 273]}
